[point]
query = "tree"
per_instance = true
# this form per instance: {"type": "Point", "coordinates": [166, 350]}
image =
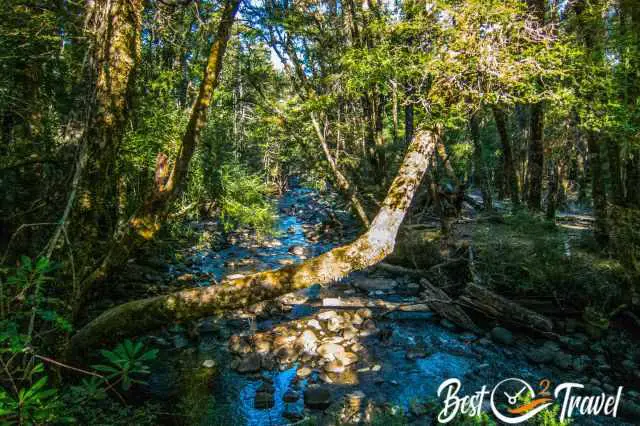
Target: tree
{"type": "Point", "coordinates": [367, 250]}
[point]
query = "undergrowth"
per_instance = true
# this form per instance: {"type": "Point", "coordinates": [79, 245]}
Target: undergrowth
{"type": "Point", "coordinates": [528, 257]}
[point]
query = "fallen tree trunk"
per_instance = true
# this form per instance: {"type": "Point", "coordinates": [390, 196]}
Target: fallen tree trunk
{"type": "Point", "coordinates": [493, 305]}
{"type": "Point", "coordinates": [445, 306]}
{"type": "Point", "coordinates": [370, 248]}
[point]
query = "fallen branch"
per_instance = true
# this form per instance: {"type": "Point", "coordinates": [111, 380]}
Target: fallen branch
{"type": "Point", "coordinates": [493, 305]}
{"type": "Point", "coordinates": [445, 306]}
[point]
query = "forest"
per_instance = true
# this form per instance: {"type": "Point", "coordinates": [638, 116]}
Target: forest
{"type": "Point", "coordinates": [317, 212]}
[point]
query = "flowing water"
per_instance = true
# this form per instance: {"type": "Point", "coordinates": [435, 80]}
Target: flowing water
{"type": "Point", "coordinates": [385, 372]}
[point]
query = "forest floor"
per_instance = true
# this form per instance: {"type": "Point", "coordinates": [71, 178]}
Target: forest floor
{"type": "Point", "coordinates": [362, 347]}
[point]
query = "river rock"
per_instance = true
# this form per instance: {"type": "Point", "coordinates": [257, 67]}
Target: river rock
{"type": "Point", "coordinates": [303, 372]}
{"type": "Point", "coordinates": [327, 315]}
{"type": "Point", "coordinates": [208, 363]}
{"type": "Point", "coordinates": [330, 351]}
{"type": "Point", "coordinates": [263, 401]}
{"type": "Point", "coordinates": [541, 356]}
{"type": "Point", "coordinates": [307, 342]}
{"type": "Point", "coordinates": [291, 396]}
{"type": "Point", "coordinates": [239, 344]}
{"type": "Point", "coordinates": [335, 366]}
{"type": "Point", "coordinates": [502, 336]}
{"type": "Point", "coordinates": [581, 363]}
{"type": "Point", "coordinates": [562, 360]}
{"type": "Point", "coordinates": [248, 364]}
{"type": "Point", "coordinates": [416, 352]}
{"type": "Point", "coordinates": [335, 324]}
{"type": "Point", "coordinates": [298, 250]}
{"type": "Point", "coordinates": [313, 323]}
{"type": "Point", "coordinates": [317, 397]}
{"type": "Point", "coordinates": [347, 358]}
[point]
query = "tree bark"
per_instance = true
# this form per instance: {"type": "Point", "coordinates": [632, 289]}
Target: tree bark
{"type": "Point", "coordinates": [598, 191]}
{"type": "Point", "coordinates": [535, 157]}
{"type": "Point", "coordinates": [615, 171]}
{"type": "Point", "coordinates": [481, 172]}
{"type": "Point", "coordinates": [114, 28]}
{"type": "Point", "coordinates": [370, 248]}
{"type": "Point", "coordinates": [344, 186]}
{"type": "Point", "coordinates": [507, 156]}
{"type": "Point", "coordinates": [148, 219]}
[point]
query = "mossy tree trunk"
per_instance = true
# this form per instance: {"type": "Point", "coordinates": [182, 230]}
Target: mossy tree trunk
{"type": "Point", "coordinates": [370, 248]}
{"type": "Point", "coordinates": [147, 220]}
{"type": "Point", "coordinates": [114, 30]}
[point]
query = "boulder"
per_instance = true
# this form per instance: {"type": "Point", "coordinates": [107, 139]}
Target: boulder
{"type": "Point", "coordinates": [317, 397]}
{"type": "Point", "coordinates": [502, 336]}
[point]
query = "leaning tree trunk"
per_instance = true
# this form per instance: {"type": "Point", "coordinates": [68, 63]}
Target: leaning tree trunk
{"type": "Point", "coordinates": [345, 187]}
{"type": "Point", "coordinates": [370, 248]}
{"type": "Point", "coordinates": [148, 219]}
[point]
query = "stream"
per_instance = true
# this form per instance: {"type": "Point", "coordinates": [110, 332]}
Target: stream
{"type": "Point", "coordinates": [301, 355]}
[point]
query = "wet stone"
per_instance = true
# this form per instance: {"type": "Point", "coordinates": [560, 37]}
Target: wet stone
{"type": "Point", "coordinates": [317, 397]}
{"type": "Point", "coordinates": [263, 401]}
{"type": "Point", "coordinates": [502, 336]}
{"type": "Point", "coordinates": [249, 364]}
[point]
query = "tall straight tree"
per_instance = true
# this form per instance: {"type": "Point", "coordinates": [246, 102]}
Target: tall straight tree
{"type": "Point", "coordinates": [508, 165]}
{"type": "Point", "coordinates": [114, 30]}
{"type": "Point", "coordinates": [591, 31]}
{"type": "Point", "coordinates": [535, 156]}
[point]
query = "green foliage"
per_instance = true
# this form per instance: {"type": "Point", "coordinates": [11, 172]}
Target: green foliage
{"type": "Point", "coordinates": [482, 420]}
{"type": "Point", "coordinates": [32, 405]}
{"type": "Point", "coordinates": [244, 200]}
{"type": "Point", "coordinates": [126, 363]}
{"type": "Point", "coordinates": [529, 257]}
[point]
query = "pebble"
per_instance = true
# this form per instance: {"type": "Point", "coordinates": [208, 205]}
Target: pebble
{"type": "Point", "coordinates": [208, 363]}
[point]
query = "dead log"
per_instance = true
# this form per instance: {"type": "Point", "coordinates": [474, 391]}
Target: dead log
{"type": "Point", "coordinates": [374, 245]}
{"type": "Point", "coordinates": [493, 305]}
{"type": "Point", "coordinates": [443, 305]}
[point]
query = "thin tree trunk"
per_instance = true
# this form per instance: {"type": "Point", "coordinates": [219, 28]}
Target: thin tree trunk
{"type": "Point", "coordinates": [552, 195]}
{"type": "Point", "coordinates": [343, 183]}
{"type": "Point", "coordinates": [535, 157]}
{"type": "Point", "coordinates": [511, 184]}
{"type": "Point", "coordinates": [615, 171]}
{"type": "Point", "coordinates": [481, 172]}
{"type": "Point", "coordinates": [370, 248]}
{"type": "Point", "coordinates": [598, 192]}
{"type": "Point", "coordinates": [408, 117]}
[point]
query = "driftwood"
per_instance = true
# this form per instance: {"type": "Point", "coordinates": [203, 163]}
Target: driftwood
{"type": "Point", "coordinates": [473, 296]}
{"type": "Point", "coordinates": [493, 305]}
{"type": "Point", "coordinates": [445, 306]}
